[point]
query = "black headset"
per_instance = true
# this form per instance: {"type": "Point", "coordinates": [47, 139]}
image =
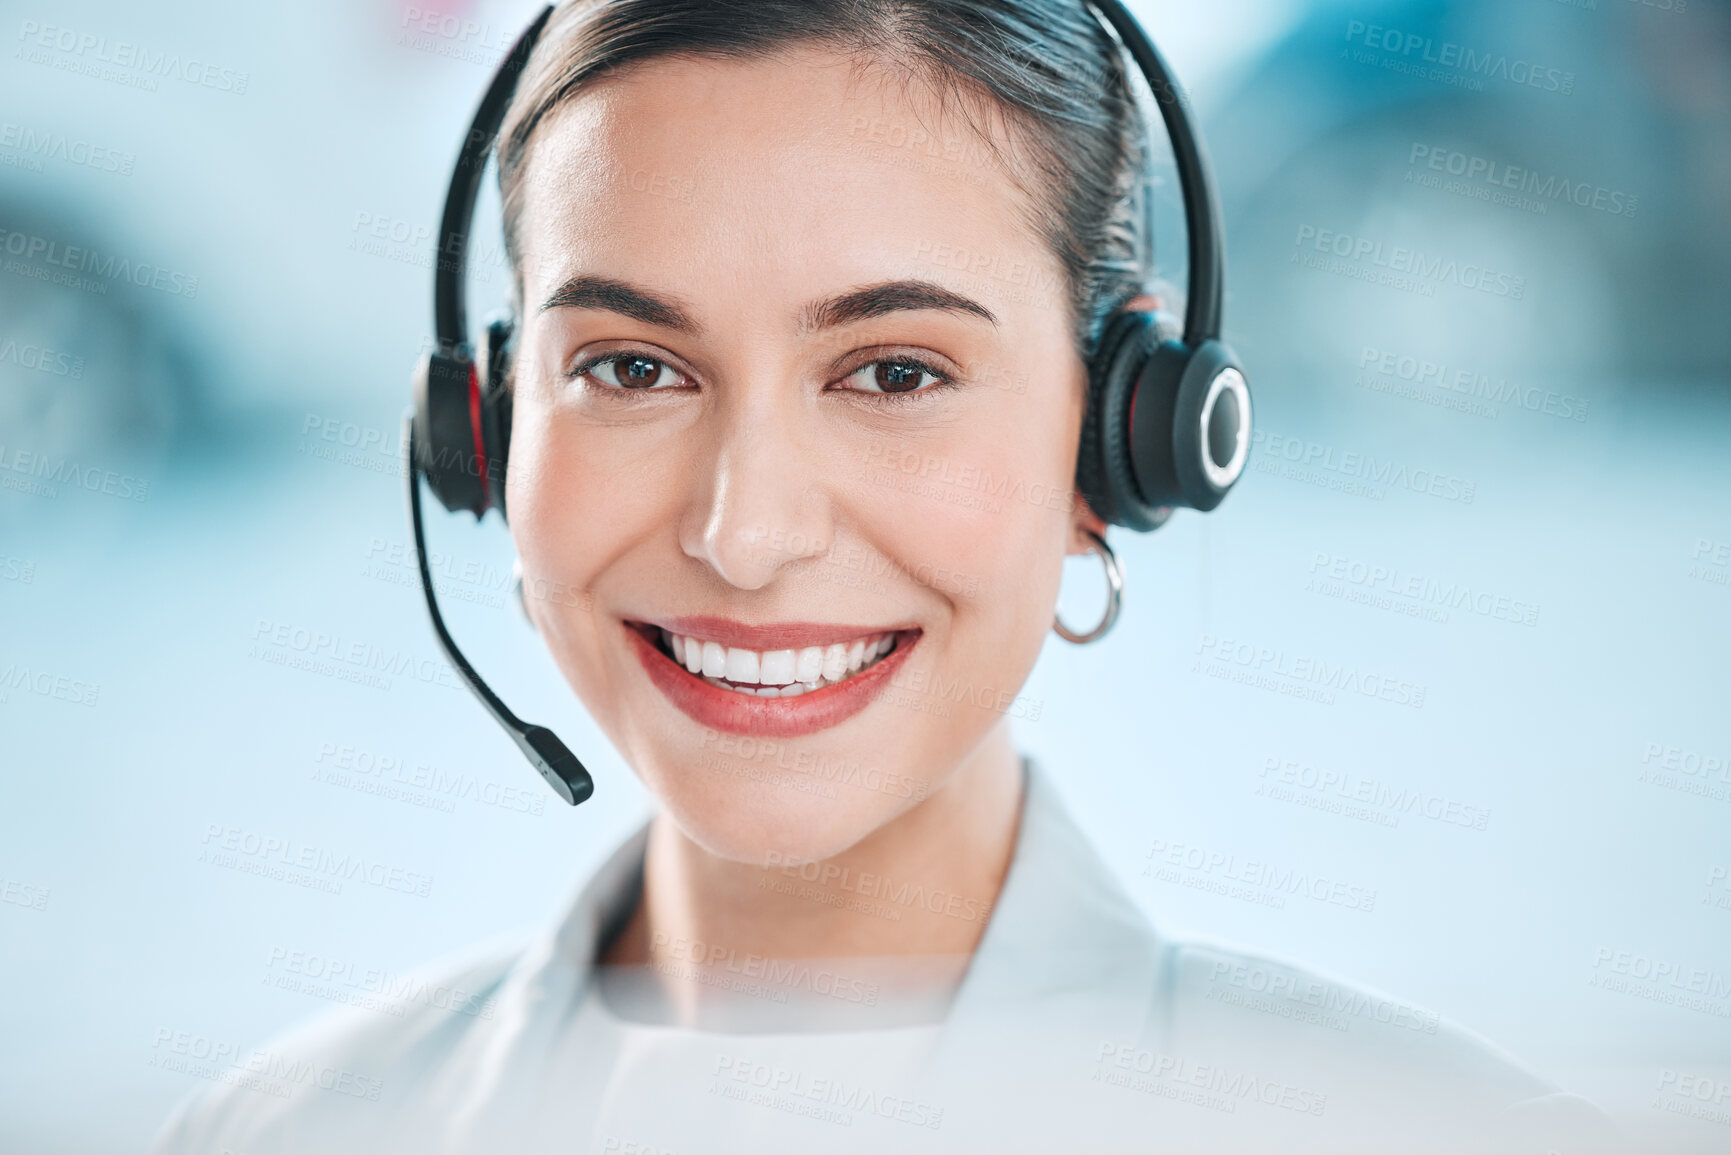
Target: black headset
{"type": "Point", "coordinates": [1167, 423]}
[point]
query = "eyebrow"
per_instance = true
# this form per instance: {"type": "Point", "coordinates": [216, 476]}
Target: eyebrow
{"type": "Point", "coordinates": [891, 297]}
{"type": "Point", "coordinates": [585, 292]}
{"type": "Point", "coordinates": [588, 292]}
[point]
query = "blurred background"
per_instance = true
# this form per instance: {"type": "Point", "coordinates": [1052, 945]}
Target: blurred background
{"type": "Point", "coordinates": [1482, 292]}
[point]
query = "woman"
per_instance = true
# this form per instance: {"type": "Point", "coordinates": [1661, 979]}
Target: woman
{"type": "Point", "coordinates": [806, 291]}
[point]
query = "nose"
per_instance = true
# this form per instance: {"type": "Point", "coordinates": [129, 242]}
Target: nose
{"type": "Point", "coordinates": [759, 503]}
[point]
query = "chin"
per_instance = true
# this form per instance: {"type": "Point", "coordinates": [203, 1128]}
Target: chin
{"type": "Point", "coordinates": [762, 810]}
{"type": "Point", "coordinates": [802, 760]}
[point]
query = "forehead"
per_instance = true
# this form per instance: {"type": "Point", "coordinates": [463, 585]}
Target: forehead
{"type": "Point", "coordinates": [802, 171]}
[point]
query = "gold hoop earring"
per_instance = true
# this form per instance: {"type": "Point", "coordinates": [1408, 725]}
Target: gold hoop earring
{"type": "Point", "coordinates": [1114, 596]}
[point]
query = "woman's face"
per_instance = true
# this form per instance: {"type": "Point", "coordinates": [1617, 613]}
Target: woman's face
{"type": "Point", "coordinates": [795, 385]}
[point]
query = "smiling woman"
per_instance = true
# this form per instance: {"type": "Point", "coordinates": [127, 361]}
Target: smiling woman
{"type": "Point", "coordinates": [859, 920]}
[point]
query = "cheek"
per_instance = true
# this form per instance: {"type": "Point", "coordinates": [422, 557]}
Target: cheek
{"type": "Point", "coordinates": [980, 518]}
{"type": "Point", "coordinates": [575, 497]}
{"type": "Point", "coordinates": [543, 481]}
{"type": "Point", "coordinates": [553, 491]}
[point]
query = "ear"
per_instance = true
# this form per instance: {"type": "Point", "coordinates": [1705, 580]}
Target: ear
{"type": "Point", "coordinates": [1083, 517]}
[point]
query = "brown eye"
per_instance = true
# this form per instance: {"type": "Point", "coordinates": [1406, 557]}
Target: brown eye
{"type": "Point", "coordinates": [633, 371]}
{"type": "Point", "coordinates": [893, 377]}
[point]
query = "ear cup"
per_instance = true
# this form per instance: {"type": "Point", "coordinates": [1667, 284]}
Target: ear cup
{"type": "Point", "coordinates": [1165, 427]}
{"type": "Point", "coordinates": [1209, 440]}
{"type": "Point", "coordinates": [1106, 472]}
{"type": "Point", "coordinates": [495, 354]}
{"type": "Point", "coordinates": [447, 397]}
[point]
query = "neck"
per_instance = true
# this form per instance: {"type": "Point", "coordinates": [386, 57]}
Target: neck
{"type": "Point", "coordinates": [911, 899]}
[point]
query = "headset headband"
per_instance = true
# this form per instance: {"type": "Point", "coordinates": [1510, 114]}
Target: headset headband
{"type": "Point", "coordinates": [1195, 179]}
{"type": "Point", "coordinates": [1195, 182]}
{"type": "Point", "coordinates": [451, 260]}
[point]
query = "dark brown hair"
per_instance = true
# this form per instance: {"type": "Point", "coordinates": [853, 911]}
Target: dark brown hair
{"type": "Point", "coordinates": [1048, 65]}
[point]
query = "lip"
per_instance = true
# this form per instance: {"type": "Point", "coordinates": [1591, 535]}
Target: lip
{"type": "Point", "coordinates": [766, 717]}
{"type": "Point", "coordinates": [774, 636]}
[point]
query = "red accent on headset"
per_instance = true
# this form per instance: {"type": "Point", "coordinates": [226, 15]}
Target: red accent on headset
{"type": "Point", "coordinates": [480, 442]}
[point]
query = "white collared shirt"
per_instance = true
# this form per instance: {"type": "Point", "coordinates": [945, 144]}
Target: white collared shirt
{"type": "Point", "coordinates": [1078, 1027]}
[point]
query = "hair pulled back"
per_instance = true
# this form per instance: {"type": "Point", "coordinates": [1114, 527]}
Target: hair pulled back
{"type": "Point", "coordinates": [1057, 77]}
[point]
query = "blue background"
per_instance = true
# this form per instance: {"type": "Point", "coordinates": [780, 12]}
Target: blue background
{"type": "Point", "coordinates": [304, 322]}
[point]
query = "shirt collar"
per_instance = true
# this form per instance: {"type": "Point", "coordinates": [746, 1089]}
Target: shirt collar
{"type": "Point", "coordinates": [1063, 934]}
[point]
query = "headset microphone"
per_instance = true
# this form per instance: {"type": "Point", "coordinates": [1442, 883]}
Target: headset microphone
{"type": "Point", "coordinates": [1167, 423]}
{"type": "Point", "coordinates": [460, 421]}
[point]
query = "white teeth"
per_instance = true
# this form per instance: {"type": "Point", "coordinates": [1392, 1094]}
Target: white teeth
{"type": "Point", "coordinates": [714, 660]}
{"type": "Point", "coordinates": [741, 665]}
{"type": "Point", "coordinates": [835, 662]}
{"type": "Point", "coordinates": [777, 668]}
{"type": "Point", "coordinates": [777, 673]}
